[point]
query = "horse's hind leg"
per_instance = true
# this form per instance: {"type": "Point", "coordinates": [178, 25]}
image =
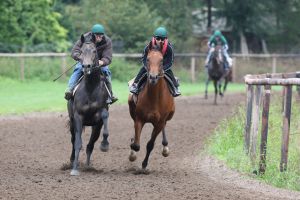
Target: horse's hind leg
{"type": "Point", "coordinates": [78, 143]}
{"type": "Point", "coordinates": [90, 146]}
{"type": "Point", "coordinates": [150, 144]}
{"type": "Point", "coordinates": [165, 151]}
{"type": "Point", "coordinates": [71, 126]}
{"type": "Point", "coordinates": [105, 144]}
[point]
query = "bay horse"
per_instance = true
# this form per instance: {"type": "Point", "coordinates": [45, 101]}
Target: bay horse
{"type": "Point", "coordinates": [217, 73]}
{"type": "Point", "coordinates": [88, 107]}
{"type": "Point", "coordinates": [154, 105]}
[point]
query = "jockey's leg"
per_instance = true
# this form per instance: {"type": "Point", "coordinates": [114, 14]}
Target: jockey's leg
{"type": "Point", "coordinates": [134, 87]}
{"type": "Point", "coordinates": [175, 82]}
{"type": "Point", "coordinates": [227, 58]}
{"type": "Point", "coordinates": [208, 57]}
{"type": "Point", "coordinates": [77, 73]}
{"type": "Point", "coordinates": [111, 98]}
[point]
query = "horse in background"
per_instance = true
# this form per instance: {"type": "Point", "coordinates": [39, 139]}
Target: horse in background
{"type": "Point", "coordinates": [217, 73]}
{"type": "Point", "coordinates": [154, 104]}
{"type": "Point", "coordinates": [88, 107]}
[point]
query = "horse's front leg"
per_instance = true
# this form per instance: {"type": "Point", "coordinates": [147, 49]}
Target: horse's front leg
{"type": "Point", "coordinates": [90, 146]}
{"type": "Point", "coordinates": [220, 88]}
{"type": "Point", "coordinates": [105, 144]}
{"type": "Point", "coordinates": [78, 143]}
{"type": "Point", "coordinates": [135, 142]}
{"type": "Point", "coordinates": [165, 151]}
{"type": "Point", "coordinates": [157, 129]}
{"type": "Point", "coordinates": [216, 92]}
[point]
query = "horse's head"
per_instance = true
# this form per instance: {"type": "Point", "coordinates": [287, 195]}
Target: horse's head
{"type": "Point", "coordinates": [89, 57]}
{"type": "Point", "coordinates": [217, 54]}
{"type": "Point", "coordinates": [154, 63]}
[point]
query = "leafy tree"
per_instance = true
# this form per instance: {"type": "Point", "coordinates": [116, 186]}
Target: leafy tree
{"type": "Point", "coordinates": [130, 22]}
{"type": "Point", "coordinates": [26, 23]}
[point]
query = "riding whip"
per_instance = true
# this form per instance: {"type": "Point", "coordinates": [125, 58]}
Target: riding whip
{"type": "Point", "coordinates": [64, 72]}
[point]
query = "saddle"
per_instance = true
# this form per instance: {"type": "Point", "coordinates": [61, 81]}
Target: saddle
{"type": "Point", "coordinates": [143, 80]}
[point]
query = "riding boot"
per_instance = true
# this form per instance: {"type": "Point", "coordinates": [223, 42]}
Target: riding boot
{"type": "Point", "coordinates": [68, 93]}
{"type": "Point", "coordinates": [134, 88]}
{"type": "Point", "coordinates": [175, 83]}
{"type": "Point", "coordinates": [77, 73]}
{"type": "Point", "coordinates": [111, 98]}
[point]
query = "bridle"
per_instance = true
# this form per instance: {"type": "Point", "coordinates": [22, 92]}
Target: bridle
{"type": "Point", "coordinates": [88, 69]}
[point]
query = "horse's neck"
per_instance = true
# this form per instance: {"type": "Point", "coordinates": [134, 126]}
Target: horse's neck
{"type": "Point", "coordinates": [155, 91]}
{"type": "Point", "coordinates": [92, 81]}
{"type": "Point", "coordinates": [215, 62]}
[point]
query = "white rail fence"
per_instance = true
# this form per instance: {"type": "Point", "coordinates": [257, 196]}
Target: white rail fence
{"type": "Point", "coordinates": [192, 56]}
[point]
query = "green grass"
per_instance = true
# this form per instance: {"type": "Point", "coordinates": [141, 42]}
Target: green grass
{"type": "Point", "coordinates": [17, 97]}
{"type": "Point", "coordinates": [227, 145]}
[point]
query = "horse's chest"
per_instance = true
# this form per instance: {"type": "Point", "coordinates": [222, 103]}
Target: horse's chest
{"type": "Point", "coordinates": [89, 107]}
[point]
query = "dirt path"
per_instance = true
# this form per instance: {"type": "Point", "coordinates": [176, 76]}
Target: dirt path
{"type": "Point", "coordinates": [34, 147]}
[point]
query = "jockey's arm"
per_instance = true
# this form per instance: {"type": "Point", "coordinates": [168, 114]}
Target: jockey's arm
{"type": "Point", "coordinates": [144, 57]}
{"type": "Point", "coordinates": [76, 51]}
{"type": "Point", "coordinates": [168, 58]}
{"type": "Point", "coordinates": [107, 54]}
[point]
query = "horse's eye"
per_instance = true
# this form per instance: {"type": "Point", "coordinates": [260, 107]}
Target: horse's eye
{"type": "Point", "coordinates": [94, 51]}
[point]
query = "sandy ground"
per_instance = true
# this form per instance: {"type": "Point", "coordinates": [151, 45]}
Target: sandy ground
{"type": "Point", "coordinates": [35, 147]}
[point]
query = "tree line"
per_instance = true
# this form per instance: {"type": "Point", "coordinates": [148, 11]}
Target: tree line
{"type": "Point", "coordinates": [54, 25]}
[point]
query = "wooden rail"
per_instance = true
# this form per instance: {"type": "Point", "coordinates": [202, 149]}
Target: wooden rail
{"type": "Point", "coordinates": [254, 99]}
{"type": "Point", "coordinates": [191, 56]}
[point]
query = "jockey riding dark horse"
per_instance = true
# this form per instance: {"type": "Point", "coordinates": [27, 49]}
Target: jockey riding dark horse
{"type": "Point", "coordinates": [89, 105]}
{"type": "Point", "coordinates": [159, 37]}
{"type": "Point", "coordinates": [104, 50]}
{"type": "Point", "coordinates": [217, 39]}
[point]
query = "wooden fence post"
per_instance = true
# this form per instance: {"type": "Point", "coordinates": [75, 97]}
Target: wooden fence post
{"type": "Point", "coordinates": [22, 68]}
{"type": "Point", "coordinates": [286, 127]}
{"type": "Point", "coordinates": [255, 122]}
{"type": "Point", "coordinates": [193, 64]}
{"type": "Point", "coordinates": [234, 68]}
{"type": "Point", "coordinates": [274, 64]}
{"type": "Point", "coordinates": [248, 118]}
{"type": "Point", "coordinates": [264, 130]}
{"type": "Point", "coordinates": [63, 66]}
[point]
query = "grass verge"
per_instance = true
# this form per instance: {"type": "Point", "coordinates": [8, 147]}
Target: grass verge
{"type": "Point", "coordinates": [228, 140]}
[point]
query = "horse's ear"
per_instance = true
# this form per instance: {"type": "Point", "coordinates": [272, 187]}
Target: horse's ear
{"type": "Point", "coordinates": [82, 38]}
{"type": "Point", "coordinates": [93, 38]}
{"type": "Point", "coordinates": [151, 44]}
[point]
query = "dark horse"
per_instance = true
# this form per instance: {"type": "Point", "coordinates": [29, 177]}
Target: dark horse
{"type": "Point", "coordinates": [154, 105]}
{"type": "Point", "coordinates": [89, 107]}
{"type": "Point", "coordinates": [217, 73]}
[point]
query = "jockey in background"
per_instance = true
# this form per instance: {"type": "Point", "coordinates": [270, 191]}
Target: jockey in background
{"type": "Point", "coordinates": [218, 39]}
{"type": "Point", "coordinates": [104, 51]}
{"type": "Point", "coordinates": [160, 37]}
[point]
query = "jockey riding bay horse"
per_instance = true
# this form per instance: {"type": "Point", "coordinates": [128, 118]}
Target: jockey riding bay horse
{"type": "Point", "coordinates": [217, 73]}
{"type": "Point", "coordinates": [154, 104]}
{"type": "Point", "coordinates": [88, 107]}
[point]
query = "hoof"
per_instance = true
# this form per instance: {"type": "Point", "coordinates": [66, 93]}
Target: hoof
{"type": "Point", "coordinates": [132, 157]}
{"type": "Point", "coordinates": [74, 173]}
{"type": "Point", "coordinates": [104, 147]}
{"type": "Point", "coordinates": [165, 152]}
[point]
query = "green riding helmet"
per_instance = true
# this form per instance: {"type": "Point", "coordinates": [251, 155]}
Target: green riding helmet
{"type": "Point", "coordinates": [98, 28]}
{"type": "Point", "coordinates": [161, 32]}
{"type": "Point", "coordinates": [217, 33]}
